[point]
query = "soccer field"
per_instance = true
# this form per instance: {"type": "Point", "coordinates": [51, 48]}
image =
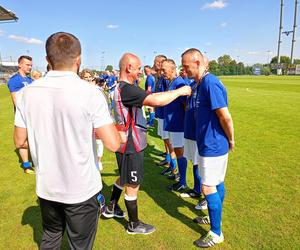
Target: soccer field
{"type": "Point", "coordinates": [262, 203]}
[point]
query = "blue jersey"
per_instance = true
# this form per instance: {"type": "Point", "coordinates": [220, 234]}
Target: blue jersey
{"type": "Point", "coordinates": [17, 82]}
{"type": "Point", "coordinates": [150, 81]}
{"type": "Point", "coordinates": [190, 115]}
{"type": "Point", "coordinates": [174, 111]}
{"type": "Point", "coordinates": [188, 81]}
{"type": "Point", "coordinates": [110, 82]}
{"type": "Point", "coordinates": [160, 87]}
{"type": "Point", "coordinates": [210, 136]}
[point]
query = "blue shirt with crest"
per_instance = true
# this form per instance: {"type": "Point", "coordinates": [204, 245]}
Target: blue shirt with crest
{"type": "Point", "coordinates": [190, 115]}
{"type": "Point", "coordinates": [17, 82]}
{"type": "Point", "coordinates": [174, 111]}
{"type": "Point", "coordinates": [210, 136]}
{"type": "Point", "coordinates": [160, 87]}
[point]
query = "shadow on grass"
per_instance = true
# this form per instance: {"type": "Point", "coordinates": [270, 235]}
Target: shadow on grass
{"type": "Point", "coordinates": [32, 217]}
{"type": "Point", "coordinates": [107, 191]}
{"type": "Point", "coordinates": [156, 186]}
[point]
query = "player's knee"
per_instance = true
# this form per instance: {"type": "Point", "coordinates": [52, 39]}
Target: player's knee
{"type": "Point", "coordinates": [206, 190]}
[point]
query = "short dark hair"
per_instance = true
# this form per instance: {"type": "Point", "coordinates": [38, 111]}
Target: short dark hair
{"type": "Point", "coordinates": [169, 61]}
{"type": "Point", "coordinates": [62, 49]}
{"type": "Point", "coordinates": [161, 56]}
{"type": "Point", "coordinates": [147, 66]}
{"type": "Point", "coordinates": [24, 57]}
{"type": "Point", "coordinates": [192, 50]}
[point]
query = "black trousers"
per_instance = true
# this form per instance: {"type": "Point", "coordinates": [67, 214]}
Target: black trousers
{"type": "Point", "coordinates": [80, 221]}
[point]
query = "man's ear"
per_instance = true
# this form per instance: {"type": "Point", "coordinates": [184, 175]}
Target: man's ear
{"type": "Point", "coordinates": [48, 61]}
{"type": "Point", "coordinates": [78, 61]}
{"type": "Point", "coordinates": [128, 68]}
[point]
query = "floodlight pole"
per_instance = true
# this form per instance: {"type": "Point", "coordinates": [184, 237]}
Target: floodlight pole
{"type": "Point", "coordinates": [294, 30]}
{"type": "Point", "coordinates": [279, 38]}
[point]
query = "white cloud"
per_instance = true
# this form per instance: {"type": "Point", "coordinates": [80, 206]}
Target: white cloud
{"type": "Point", "coordinates": [218, 4]}
{"type": "Point", "coordinates": [26, 39]}
{"type": "Point", "coordinates": [112, 26]}
{"type": "Point", "coordinates": [253, 53]}
{"type": "Point", "coordinates": [1, 32]}
{"type": "Point", "coordinates": [223, 24]}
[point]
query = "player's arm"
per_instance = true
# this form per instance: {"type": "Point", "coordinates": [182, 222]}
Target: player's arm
{"type": "Point", "coordinates": [14, 97]}
{"type": "Point", "coordinates": [109, 136]}
{"type": "Point", "coordinates": [227, 125]}
{"type": "Point", "coordinates": [149, 89]}
{"type": "Point", "coordinates": [20, 137]}
{"type": "Point", "coordinates": [164, 98]}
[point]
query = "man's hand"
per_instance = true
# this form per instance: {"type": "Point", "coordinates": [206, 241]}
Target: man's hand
{"type": "Point", "coordinates": [231, 145]}
{"type": "Point", "coordinates": [185, 91]}
{"type": "Point", "coordinates": [123, 136]}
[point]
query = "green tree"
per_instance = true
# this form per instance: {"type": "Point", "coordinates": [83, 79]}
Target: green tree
{"type": "Point", "coordinates": [283, 59]}
{"type": "Point", "coordinates": [214, 67]}
{"type": "Point", "coordinates": [224, 63]}
{"type": "Point", "coordinates": [296, 61]}
{"type": "Point", "coordinates": [109, 68]}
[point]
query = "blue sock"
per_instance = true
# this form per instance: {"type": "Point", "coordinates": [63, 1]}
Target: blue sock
{"type": "Point", "coordinates": [214, 206]}
{"type": "Point", "coordinates": [182, 165]}
{"type": "Point", "coordinates": [152, 117]}
{"type": "Point", "coordinates": [168, 158]}
{"type": "Point", "coordinates": [173, 163]}
{"type": "Point", "coordinates": [197, 179]}
{"type": "Point", "coordinates": [26, 164]}
{"type": "Point", "coordinates": [221, 191]}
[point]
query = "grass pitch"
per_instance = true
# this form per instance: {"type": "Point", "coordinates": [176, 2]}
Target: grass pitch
{"type": "Point", "coordinates": [261, 208]}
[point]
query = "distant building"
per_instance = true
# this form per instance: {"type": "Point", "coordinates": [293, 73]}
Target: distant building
{"type": "Point", "coordinates": [7, 69]}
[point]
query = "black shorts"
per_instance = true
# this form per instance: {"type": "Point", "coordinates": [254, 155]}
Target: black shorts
{"type": "Point", "coordinates": [131, 167]}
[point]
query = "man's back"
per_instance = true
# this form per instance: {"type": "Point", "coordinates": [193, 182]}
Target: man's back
{"type": "Point", "coordinates": [60, 112]}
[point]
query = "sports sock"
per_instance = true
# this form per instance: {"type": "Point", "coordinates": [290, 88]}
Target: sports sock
{"type": "Point", "coordinates": [221, 191]}
{"type": "Point", "coordinates": [132, 208]}
{"type": "Point", "coordinates": [173, 163]}
{"type": "Point", "coordinates": [197, 179]}
{"type": "Point", "coordinates": [214, 206]}
{"type": "Point", "coordinates": [116, 193]}
{"type": "Point", "coordinates": [182, 165]}
{"type": "Point", "coordinates": [26, 164]}
{"type": "Point", "coordinates": [168, 158]}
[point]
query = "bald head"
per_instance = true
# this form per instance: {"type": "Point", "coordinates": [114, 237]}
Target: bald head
{"type": "Point", "coordinates": [194, 63]}
{"type": "Point", "coordinates": [127, 59]}
{"type": "Point", "coordinates": [130, 67]}
{"type": "Point", "coordinates": [206, 62]}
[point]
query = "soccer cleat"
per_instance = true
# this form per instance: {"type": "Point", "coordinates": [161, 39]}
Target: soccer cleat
{"type": "Point", "coordinates": [202, 220]}
{"type": "Point", "coordinates": [209, 240]}
{"type": "Point", "coordinates": [191, 193]}
{"type": "Point", "coordinates": [202, 205]}
{"type": "Point", "coordinates": [29, 170]}
{"type": "Point", "coordinates": [174, 177]}
{"type": "Point", "coordinates": [139, 228]}
{"type": "Point", "coordinates": [113, 210]}
{"type": "Point", "coordinates": [177, 187]}
{"type": "Point", "coordinates": [166, 171]}
{"type": "Point", "coordinates": [162, 163]}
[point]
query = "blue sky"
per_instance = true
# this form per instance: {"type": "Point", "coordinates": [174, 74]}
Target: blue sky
{"type": "Point", "coordinates": [244, 29]}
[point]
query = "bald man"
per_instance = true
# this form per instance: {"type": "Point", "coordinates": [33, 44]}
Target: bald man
{"type": "Point", "coordinates": [215, 137]}
{"type": "Point", "coordinates": [132, 125]}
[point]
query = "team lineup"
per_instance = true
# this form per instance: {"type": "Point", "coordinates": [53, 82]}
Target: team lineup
{"type": "Point", "coordinates": [65, 137]}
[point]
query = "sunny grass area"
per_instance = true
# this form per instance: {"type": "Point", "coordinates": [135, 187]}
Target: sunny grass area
{"type": "Point", "coordinates": [262, 206]}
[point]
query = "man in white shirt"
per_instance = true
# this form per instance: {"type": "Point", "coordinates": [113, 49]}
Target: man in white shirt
{"type": "Point", "coordinates": [55, 117]}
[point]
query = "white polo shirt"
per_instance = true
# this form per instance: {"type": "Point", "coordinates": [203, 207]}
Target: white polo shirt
{"type": "Point", "coordinates": [60, 111]}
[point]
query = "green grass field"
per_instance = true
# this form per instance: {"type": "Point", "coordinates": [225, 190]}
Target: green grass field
{"type": "Point", "coordinates": [262, 205]}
